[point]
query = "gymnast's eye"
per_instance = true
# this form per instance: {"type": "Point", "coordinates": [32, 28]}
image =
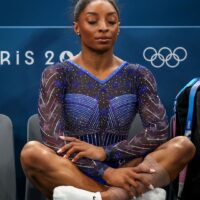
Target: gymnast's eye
{"type": "Point", "coordinates": [92, 22]}
{"type": "Point", "coordinates": [112, 22]}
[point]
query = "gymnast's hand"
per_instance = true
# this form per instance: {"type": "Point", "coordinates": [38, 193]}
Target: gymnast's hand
{"type": "Point", "coordinates": [83, 149]}
{"type": "Point", "coordinates": [128, 179]}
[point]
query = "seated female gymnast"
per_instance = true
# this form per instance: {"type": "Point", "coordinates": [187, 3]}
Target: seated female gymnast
{"type": "Point", "coordinates": [86, 107]}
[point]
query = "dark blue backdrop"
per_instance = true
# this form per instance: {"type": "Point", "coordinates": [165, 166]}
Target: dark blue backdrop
{"type": "Point", "coordinates": [19, 83]}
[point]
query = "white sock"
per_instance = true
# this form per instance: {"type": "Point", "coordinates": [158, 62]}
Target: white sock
{"type": "Point", "coordinates": [156, 194]}
{"type": "Point", "coordinates": [72, 193]}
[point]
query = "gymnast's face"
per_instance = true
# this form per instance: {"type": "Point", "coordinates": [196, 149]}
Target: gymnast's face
{"type": "Point", "coordinates": [98, 25]}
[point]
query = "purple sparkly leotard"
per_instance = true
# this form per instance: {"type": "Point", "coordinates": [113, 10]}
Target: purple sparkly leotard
{"type": "Point", "coordinates": [74, 102]}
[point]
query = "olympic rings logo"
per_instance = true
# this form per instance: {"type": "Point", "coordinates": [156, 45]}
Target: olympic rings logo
{"type": "Point", "coordinates": [165, 56]}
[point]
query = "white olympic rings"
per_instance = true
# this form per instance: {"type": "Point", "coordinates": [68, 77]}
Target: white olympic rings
{"type": "Point", "coordinates": [165, 59]}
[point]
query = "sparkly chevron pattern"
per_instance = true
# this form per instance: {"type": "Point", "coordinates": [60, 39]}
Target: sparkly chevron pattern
{"type": "Point", "coordinates": [153, 116]}
{"type": "Point", "coordinates": [121, 112]}
{"type": "Point", "coordinates": [82, 111]}
{"type": "Point", "coordinates": [73, 102]}
{"type": "Point", "coordinates": [51, 108]}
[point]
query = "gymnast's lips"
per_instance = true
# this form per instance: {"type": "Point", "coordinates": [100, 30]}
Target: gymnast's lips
{"type": "Point", "coordinates": [103, 39]}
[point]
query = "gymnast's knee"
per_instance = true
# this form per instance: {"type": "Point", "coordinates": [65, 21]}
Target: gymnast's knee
{"type": "Point", "coordinates": [33, 154]}
{"type": "Point", "coordinates": [183, 147]}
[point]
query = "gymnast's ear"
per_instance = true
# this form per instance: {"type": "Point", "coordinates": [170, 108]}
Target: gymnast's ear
{"type": "Point", "coordinates": [76, 28]}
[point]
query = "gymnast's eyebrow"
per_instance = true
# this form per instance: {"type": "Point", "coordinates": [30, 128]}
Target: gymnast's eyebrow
{"type": "Point", "coordinates": [94, 13]}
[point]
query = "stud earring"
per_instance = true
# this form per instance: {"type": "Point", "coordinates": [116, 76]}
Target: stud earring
{"type": "Point", "coordinates": [78, 33]}
{"type": "Point", "coordinates": [118, 31]}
